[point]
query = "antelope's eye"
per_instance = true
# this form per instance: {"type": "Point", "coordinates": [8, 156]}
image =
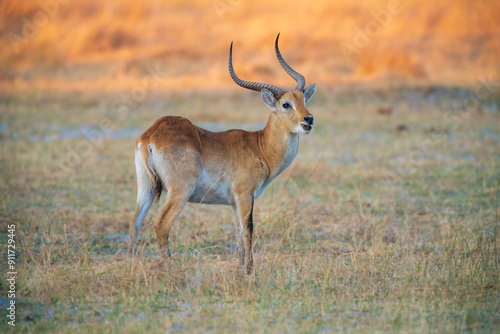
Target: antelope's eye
{"type": "Point", "coordinates": [286, 105]}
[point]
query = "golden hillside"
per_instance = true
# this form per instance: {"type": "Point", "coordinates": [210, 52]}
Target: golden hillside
{"type": "Point", "coordinates": [68, 45]}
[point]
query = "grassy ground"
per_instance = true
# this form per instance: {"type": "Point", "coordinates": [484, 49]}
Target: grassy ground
{"type": "Point", "coordinates": [387, 221]}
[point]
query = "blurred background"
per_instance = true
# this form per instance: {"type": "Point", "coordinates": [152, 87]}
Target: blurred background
{"type": "Point", "coordinates": [64, 45]}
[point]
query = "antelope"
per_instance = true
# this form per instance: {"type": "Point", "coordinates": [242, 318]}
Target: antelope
{"type": "Point", "coordinates": [231, 167]}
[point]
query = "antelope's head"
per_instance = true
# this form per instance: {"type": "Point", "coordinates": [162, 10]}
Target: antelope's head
{"type": "Point", "coordinates": [288, 106]}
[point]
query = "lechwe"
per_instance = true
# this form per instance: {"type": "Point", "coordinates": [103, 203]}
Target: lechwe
{"type": "Point", "coordinates": [230, 167]}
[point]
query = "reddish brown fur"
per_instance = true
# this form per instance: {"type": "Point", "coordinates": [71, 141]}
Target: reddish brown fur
{"type": "Point", "coordinates": [231, 167]}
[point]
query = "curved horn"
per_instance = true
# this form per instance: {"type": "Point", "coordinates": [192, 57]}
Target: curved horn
{"type": "Point", "coordinates": [278, 92]}
{"type": "Point", "coordinates": [301, 81]}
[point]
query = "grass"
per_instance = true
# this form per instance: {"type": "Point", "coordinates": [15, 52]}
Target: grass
{"type": "Point", "coordinates": [363, 233]}
{"type": "Point", "coordinates": [111, 46]}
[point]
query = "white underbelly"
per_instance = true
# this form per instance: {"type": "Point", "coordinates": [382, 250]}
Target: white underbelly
{"type": "Point", "coordinates": [212, 190]}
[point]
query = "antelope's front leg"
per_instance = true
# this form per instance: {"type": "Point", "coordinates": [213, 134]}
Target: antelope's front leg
{"type": "Point", "coordinates": [244, 210]}
{"type": "Point", "coordinates": [240, 242]}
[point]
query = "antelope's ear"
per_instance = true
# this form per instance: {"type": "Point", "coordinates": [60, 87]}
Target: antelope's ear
{"type": "Point", "coordinates": [269, 99]}
{"type": "Point", "coordinates": [309, 92]}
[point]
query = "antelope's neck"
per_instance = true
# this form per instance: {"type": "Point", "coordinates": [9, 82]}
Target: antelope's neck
{"type": "Point", "coordinates": [278, 146]}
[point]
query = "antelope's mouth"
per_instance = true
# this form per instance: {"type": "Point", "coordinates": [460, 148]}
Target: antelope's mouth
{"type": "Point", "coordinates": [306, 127]}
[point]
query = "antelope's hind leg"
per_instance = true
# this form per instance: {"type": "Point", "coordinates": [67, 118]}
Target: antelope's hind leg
{"type": "Point", "coordinates": [180, 178]}
{"type": "Point", "coordinates": [145, 197]}
{"type": "Point", "coordinates": [171, 210]}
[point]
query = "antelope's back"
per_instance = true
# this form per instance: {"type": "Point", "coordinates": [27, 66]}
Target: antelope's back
{"type": "Point", "coordinates": [171, 133]}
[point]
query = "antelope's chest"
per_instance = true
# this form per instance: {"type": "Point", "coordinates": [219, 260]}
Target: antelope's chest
{"type": "Point", "coordinates": [283, 163]}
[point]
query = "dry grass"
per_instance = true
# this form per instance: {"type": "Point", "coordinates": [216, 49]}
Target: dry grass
{"type": "Point", "coordinates": [100, 46]}
{"type": "Point", "coordinates": [346, 240]}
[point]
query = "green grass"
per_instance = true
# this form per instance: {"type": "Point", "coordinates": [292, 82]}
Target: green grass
{"type": "Point", "coordinates": [361, 234]}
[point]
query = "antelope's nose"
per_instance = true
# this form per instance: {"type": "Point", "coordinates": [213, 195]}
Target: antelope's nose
{"type": "Point", "coordinates": [309, 119]}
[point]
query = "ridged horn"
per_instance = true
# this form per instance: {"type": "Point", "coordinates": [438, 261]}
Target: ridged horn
{"type": "Point", "coordinates": [278, 92]}
{"type": "Point", "coordinates": [301, 81]}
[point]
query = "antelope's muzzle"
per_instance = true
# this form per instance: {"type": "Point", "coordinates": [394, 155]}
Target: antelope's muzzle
{"type": "Point", "coordinates": [308, 123]}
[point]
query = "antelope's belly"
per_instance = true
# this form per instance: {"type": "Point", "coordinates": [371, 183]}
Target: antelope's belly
{"type": "Point", "coordinates": [212, 189]}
